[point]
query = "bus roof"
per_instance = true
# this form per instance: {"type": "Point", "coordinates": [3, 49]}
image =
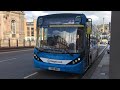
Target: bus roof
{"type": "Point", "coordinates": [62, 15]}
{"type": "Point", "coordinates": [69, 16]}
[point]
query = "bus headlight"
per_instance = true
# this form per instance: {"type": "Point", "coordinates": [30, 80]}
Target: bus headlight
{"type": "Point", "coordinates": [36, 57]}
{"type": "Point", "coordinates": [74, 61]}
{"type": "Point", "coordinates": [78, 59]}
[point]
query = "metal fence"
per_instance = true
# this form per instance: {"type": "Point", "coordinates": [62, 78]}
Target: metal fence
{"type": "Point", "coordinates": [16, 43]}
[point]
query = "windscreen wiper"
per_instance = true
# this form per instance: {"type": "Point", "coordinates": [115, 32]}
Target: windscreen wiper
{"type": "Point", "coordinates": [43, 49]}
{"type": "Point", "coordinates": [39, 50]}
{"type": "Point", "coordinates": [68, 52]}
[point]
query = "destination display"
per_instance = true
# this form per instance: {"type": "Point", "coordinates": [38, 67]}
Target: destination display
{"type": "Point", "coordinates": [61, 20]}
{"type": "Point", "coordinates": [66, 25]}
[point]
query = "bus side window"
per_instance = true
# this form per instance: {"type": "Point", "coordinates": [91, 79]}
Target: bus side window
{"type": "Point", "coordinates": [94, 42]}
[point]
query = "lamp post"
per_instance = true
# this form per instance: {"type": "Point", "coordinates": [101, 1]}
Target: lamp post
{"type": "Point", "coordinates": [103, 26]}
{"type": "Point", "coordinates": [103, 30]}
{"type": "Point", "coordinates": [91, 22]}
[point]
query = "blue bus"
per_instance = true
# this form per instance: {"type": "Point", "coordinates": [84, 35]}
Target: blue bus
{"type": "Point", "coordinates": [63, 43]}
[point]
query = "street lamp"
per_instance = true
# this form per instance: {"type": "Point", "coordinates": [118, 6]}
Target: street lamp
{"type": "Point", "coordinates": [90, 21]}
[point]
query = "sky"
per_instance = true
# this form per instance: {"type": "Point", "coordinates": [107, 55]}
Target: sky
{"type": "Point", "coordinates": [97, 16]}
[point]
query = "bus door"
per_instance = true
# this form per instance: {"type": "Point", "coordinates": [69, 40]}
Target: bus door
{"type": "Point", "coordinates": [87, 50]}
{"type": "Point", "coordinates": [88, 32]}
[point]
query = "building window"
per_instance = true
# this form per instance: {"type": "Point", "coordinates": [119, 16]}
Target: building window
{"type": "Point", "coordinates": [32, 28]}
{"type": "Point", "coordinates": [28, 28]}
{"type": "Point", "coordinates": [13, 28]}
{"type": "Point", "coordinates": [32, 33]}
{"type": "Point", "coordinates": [28, 33]}
{"type": "Point", "coordinates": [32, 39]}
{"type": "Point", "coordinates": [28, 39]}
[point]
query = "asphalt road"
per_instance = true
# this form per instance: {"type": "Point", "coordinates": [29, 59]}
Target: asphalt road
{"type": "Point", "coordinates": [19, 65]}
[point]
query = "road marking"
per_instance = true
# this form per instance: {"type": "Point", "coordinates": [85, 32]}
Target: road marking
{"type": "Point", "coordinates": [30, 75]}
{"type": "Point", "coordinates": [8, 60]}
{"type": "Point", "coordinates": [102, 51]}
{"type": "Point", "coordinates": [100, 65]}
{"type": "Point", "coordinates": [15, 51]}
{"type": "Point", "coordinates": [102, 73]}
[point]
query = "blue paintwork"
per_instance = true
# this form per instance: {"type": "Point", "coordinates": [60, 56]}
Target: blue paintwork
{"type": "Point", "coordinates": [76, 68]}
{"type": "Point", "coordinates": [56, 56]}
{"type": "Point", "coordinates": [70, 15]}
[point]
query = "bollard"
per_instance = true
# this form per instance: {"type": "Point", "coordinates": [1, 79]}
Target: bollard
{"type": "Point", "coordinates": [0, 42]}
{"type": "Point", "coordinates": [9, 42]}
{"type": "Point", "coordinates": [29, 43]}
{"type": "Point", "coordinates": [24, 42]}
{"type": "Point", "coordinates": [17, 42]}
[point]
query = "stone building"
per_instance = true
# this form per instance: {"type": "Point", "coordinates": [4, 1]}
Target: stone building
{"type": "Point", "coordinates": [30, 30]}
{"type": "Point", "coordinates": [12, 25]}
{"type": "Point", "coordinates": [104, 33]}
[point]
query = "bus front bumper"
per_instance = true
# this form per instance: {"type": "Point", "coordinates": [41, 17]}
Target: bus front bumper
{"type": "Point", "coordinates": [76, 68]}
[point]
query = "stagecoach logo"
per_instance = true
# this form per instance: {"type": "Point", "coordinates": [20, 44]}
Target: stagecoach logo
{"type": "Point", "coordinates": [53, 61]}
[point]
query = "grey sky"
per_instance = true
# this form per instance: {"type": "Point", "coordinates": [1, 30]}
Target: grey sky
{"type": "Point", "coordinates": [97, 16]}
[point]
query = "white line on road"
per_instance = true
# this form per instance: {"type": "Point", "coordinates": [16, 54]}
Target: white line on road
{"type": "Point", "coordinates": [102, 51]}
{"type": "Point", "coordinates": [15, 51]}
{"type": "Point", "coordinates": [8, 60]}
{"type": "Point", "coordinates": [30, 75]}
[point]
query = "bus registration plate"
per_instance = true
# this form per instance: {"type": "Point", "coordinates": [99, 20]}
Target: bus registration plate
{"type": "Point", "coordinates": [54, 68]}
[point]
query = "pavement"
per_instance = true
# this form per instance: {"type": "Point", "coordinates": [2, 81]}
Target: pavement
{"type": "Point", "coordinates": [102, 70]}
{"type": "Point", "coordinates": [7, 49]}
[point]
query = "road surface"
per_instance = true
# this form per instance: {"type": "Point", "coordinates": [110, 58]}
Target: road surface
{"type": "Point", "coordinates": [19, 65]}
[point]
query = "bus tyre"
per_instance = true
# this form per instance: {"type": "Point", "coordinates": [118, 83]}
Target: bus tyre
{"type": "Point", "coordinates": [90, 59]}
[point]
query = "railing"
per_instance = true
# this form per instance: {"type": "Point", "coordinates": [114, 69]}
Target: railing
{"type": "Point", "coordinates": [16, 43]}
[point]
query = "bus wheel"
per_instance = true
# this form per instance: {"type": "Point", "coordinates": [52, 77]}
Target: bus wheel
{"type": "Point", "coordinates": [90, 59]}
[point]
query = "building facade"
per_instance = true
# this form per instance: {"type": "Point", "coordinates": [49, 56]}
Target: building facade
{"type": "Point", "coordinates": [11, 25]}
{"type": "Point", "coordinates": [104, 33]}
{"type": "Point", "coordinates": [105, 30]}
{"type": "Point", "coordinates": [30, 30]}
